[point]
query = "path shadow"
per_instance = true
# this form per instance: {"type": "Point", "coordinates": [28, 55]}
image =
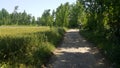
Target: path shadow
{"type": "Point", "coordinates": [73, 39]}
{"type": "Point", "coordinates": [79, 60]}
{"type": "Point", "coordinates": [76, 52]}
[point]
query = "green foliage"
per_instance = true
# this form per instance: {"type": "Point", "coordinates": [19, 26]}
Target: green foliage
{"type": "Point", "coordinates": [16, 18]}
{"type": "Point", "coordinates": [102, 16]}
{"type": "Point", "coordinates": [30, 48]}
{"type": "Point", "coordinates": [4, 17]}
{"type": "Point", "coordinates": [58, 33]}
{"type": "Point", "coordinates": [46, 19]}
{"type": "Point", "coordinates": [62, 15]}
{"type": "Point", "coordinates": [70, 15]}
{"type": "Point", "coordinates": [98, 18]}
{"type": "Point", "coordinates": [103, 26]}
{"type": "Point", "coordinates": [66, 15]}
{"type": "Point", "coordinates": [109, 48]}
{"type": "Point", "coordinates": [77, 15]}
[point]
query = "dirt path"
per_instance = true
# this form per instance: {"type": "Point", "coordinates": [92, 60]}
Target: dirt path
{"type": "Point", "coordinates": [76, 52]}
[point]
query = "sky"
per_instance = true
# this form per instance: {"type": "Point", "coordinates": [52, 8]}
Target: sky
{"type": "Point", "coordinates": [34, 7]}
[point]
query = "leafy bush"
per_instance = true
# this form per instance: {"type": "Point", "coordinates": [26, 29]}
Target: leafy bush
{"type": "Point", "coordinates": [57, 32]}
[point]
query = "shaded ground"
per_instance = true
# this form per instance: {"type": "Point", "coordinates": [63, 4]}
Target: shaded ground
{"type": "Point", "coordinates": [76, 52]}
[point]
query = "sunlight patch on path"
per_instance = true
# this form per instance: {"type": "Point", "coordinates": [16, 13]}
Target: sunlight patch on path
{"type": "Point", "coordinates": [76, 52]}
{"type": "Point", "coordinates": [73, 30]}
{"type": "Point", "coordinates": [73, 50]}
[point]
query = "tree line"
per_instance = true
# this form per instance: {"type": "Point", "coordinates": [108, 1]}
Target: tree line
{"type": "Point", "coordinates": [15, 18]}
{"type": "Point", "coordinates": [66, 15]}
{"type": "Point", "coordinates": [94, 15]}
{"type": "Point", "coordinates": [100, 16]}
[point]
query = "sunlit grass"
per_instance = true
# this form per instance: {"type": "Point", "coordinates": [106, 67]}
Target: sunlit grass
{"type": "Point", "coordinates": [29, 46]}
{"type": "Point", "coordinates": [12, 31]}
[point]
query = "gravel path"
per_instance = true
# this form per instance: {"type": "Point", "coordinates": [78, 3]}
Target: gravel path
{"type": "Point", "coordinates": [76, 52]}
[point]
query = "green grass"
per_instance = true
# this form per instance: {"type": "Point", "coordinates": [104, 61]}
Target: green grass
{"type": "Point", "coordinates": [30, 47]}
{"type": "Point", "coordinates": [17, 30]}
{"type": "Point", "coordinates": [110, 49]}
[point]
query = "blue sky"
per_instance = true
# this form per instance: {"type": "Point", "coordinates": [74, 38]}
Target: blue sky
{"type": "Point", "coordinates": [34, 7]}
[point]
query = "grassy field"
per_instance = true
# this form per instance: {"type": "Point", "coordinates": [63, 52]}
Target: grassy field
{"type": "Point", "coordinates": [27, 47]}
{"type": "Point", "coordinates": [11, 31]}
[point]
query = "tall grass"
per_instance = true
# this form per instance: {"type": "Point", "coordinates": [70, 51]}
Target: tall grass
{"type": "Point", "coordinates": [28, 47]}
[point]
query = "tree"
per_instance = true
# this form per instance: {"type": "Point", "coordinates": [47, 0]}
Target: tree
{"type": "Point", "coordinates": [77, 15]}
{"type": "Point", "coordinates": [33, 21]}
{"type": "Point", "coordinates": [103, 15]}
{"type": "Point", "coordinates": [4, 17]}
{"type": "Point", "coordinates": [14, 16]}
{"type": "Point", "coordinates": [46, 19]}
{"type": "Point", "coordinates": [62, 15]}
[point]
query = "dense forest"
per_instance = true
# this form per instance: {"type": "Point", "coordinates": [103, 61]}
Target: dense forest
{"type": "Point", "coordinates": [99, 21]}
